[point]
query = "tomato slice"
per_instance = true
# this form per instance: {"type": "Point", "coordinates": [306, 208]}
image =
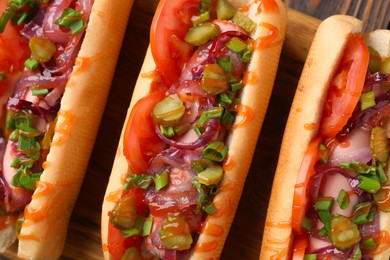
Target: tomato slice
{"type": "Point", "coordinates": [300, 244]}
{"type": "Point", "coordinates": [141, 142]}
{"type": "Point", "coordinates": [169, 27]}
{"type": "Point", "coordinates": [345, 90]}
{"type": "Point", "coordinates": [306, 170]}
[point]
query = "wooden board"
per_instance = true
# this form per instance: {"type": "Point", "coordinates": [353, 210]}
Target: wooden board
{"type": "Point", "coordinates": [83, 241]}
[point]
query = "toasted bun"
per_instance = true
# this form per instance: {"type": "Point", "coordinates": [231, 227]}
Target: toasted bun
{"type": "Point", "coordinates": [46, 218]}
{"type": "Point", "coordinates": [241, 141]}
{"type": "Point", "coordinates": [319, 69]}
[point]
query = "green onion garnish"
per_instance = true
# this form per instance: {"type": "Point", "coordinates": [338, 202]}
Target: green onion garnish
{"type": "Point", "coordinates": [381, 174]}
{"type": "Point", "coordinates": [225, 98]}
{"type": "Point", "coordinates": [324, 203]}
{"type": "Point", "coordinates": [31, 64]}
{"type": "Point", "coordinates": [326, 219]}
{"type": "Point", "coordinates": [226, 64]}
{"type": "Point", "coordinates": [236, 86]}
{"type": "Point", "coordinates": [310, 257]}
{"type": "Point", "coordinates": [167, 131]}
{"type": "Point", "coordinates": [362, 213]}
{"type": "Point", "coordinates": [307, 223]}
{"type": "Point", "coordinates": [368, 184]}
{"type": "Point", "coordinates": [228, 117]}
{"type": "Point", "coordinates": [343, 199]}
{"type": "Point", "coordinates": [246, 55]}
{"type": "Point", "coordinates": [161, 180]}
{"type": "Point", "coordinates": [215, 151]}
{"type": "Point", "coordinates": [370, 242]}
{"type": "Point", "coordinates": [367, 100]}
{"type": "Point", "coordinates": [72, 19]}
{"type": "Point", "coordinates": [236, 44]}
{"type": "Point", "coordinates": [202, 195]}
{"type": "Point", "coordinates": [147, 228]}
{"type": "Point", "coordinates": [38, 91]}
{"type": "Point", "coordinates": [130, 232]}
{"type": "Point", "coordinates": [214, 112]}
{"type": "Point", "coordinates": [209, 208]}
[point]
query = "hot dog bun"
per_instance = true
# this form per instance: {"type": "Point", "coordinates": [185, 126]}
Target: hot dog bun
{"type": "Point", "coordinates": [241, 141]}
{"type": "Point", "coordinates": [306, 110]}
{"type": "Point", "coordinates": [44, 230]}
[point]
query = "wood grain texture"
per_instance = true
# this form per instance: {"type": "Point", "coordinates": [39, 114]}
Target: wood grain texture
{"type": "Point", "coordinates": [375, 14]}
{"type": "Point", "coordinates": [244, 240]}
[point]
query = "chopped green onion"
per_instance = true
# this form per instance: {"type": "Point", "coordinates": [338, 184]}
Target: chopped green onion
{"type": "Point", "coordinates": [225, 98]}
{"type": "Point", "coordinates": [161, 180]}
{"type": "Point", "coordinates": [147, 228]}
{"type": "Point", "coordinates": [214, 112]}
{"type": "Point", "coordinates": [326, 219]}
{"type": "Point", "coordinates": [324, 203]}
{"type": "Point", "coordinates": [202, 195]}
{"type": "Point", "coordinates": [343, 199]}
{"type": "Point", "coordinates": [359, 167]}
{"type": "Point", "coordinates": [212, 175]}
{"type": "Point", "coordinates": [367, 100]}
{"type": "Point", "coordinates": [198, 131]}
{"type": "Point", "coordinates": [72, 19]}
{"type": "Point", "coordinates": [130, 232]}
{"type": "Point", "coordinates": [246, 55]}
{"type": "Point", "coordinates": [228, 117]}
{"type": "Point", "coordinates": [357, 255]}
{"type": "Point", "coordinates": [236, 86]}
{"type": "Point", "coordinates": [310, 257]}
{"type": "Point", "coordinates": [198, 167]}
{"type": "Point", "coordinates": [324, 153]}
{"type": "Point", "coordinates": [307, 223]}
{"type": "Point", "coordinates": [24, 178]}
{"type": "Point", "coordinates": [226, 64]}
{"type": "Point", "coordinates": [167, 131]}
{"type": "Point", "coordinates": [215, 151]}
{"type": "Point", "coordinates": [15, 162]}
{"type": "Point", "coordinates": [368, 184]}
{"type": "Point", "coordinates": [142, 181]}
{"type": "Point", "coordinates": [236, 44]}
{"type": "Point", "coordinates": [37, 91]}
{"type": "Point", "coordinates": [209, 208]}
{"type": "Point", "coordinates": [28, 144]}
{"type": "Point", "coordinates": [381, 174]}
{"type": "Point", "coordinates": [322, 232]}
{"type": "Point", "coordinates": [213, 189]}
{"type": "Point", "coordinates": [14, 136]}
{"type": "Point", "coordinates": [362, 213]}
{"type": "Point", "coordinates": [370, 242]}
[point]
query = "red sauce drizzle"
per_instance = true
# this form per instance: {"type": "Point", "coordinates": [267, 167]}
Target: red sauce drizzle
{"type": "Point", "coordinates": [42, 189]}
{"type": "Point", "coordinates": [63, 128]}
{"type": "Point", "coordinates": [280, 224]}
{"type": "Point", "coordinates": [264, 42]}
{"type": "Point", "coordinates": [27, 237]}
{"type": "Point", "coordinates": [35, 214]}
{"type": "Point", "coordinates": [250, 78]}
{"type": "Point", "coordinates": [212, 229]}
{"type": "Point", "coordinates": [310, 126]}
{"type": "Point", "coordinates": [223, 207]}
{"type": "Point", "coordinates": [247, 113]}
{"type": "Point", "coordinates": [115, 195]}
{"type": "Point", "coordinates": [228, 164]}
{"type": "Point", "coordinates": [207, 246]}
{"type": "Point", "coordinates": [228, 186]}
{"type": "Point", "coordinates": [268, 6]}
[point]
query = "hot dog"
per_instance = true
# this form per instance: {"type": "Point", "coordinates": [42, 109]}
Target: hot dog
{"type": "Point", "coordinates": [57, 59]}
{"type": "Point", "coordinates": [182, 158]}
{"type": "Point", "coordinates": [329, 196]}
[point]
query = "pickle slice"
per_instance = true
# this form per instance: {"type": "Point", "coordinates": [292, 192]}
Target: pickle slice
{"type": "Point", "coordinates": [168, 112]}
{"type": "Point", "coordinates": [244, 21]}
{"type": "Point", "coordinates": [225, 10]}
{"type": "Point", "coordinates": [175, 233]}
{"type": "Point", "coordinates": [201, 34]}
{"type": "Point", "coordinates": [124, 214]}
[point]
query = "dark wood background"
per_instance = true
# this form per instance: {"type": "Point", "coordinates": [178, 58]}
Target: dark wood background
{"type": "Point", "coordinates": [83, 241]}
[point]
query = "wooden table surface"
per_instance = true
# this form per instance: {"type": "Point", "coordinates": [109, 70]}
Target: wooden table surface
{"type": "Point", "coordinates": [83, 241]}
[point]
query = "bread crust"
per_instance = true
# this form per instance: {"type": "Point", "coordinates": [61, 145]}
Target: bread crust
{"type": "Point", "coordinates": [324, 55]}
{"type": "Point", "coordinates": [241, 141]}
{"type": "Point", "coordinates": [46, 218]}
